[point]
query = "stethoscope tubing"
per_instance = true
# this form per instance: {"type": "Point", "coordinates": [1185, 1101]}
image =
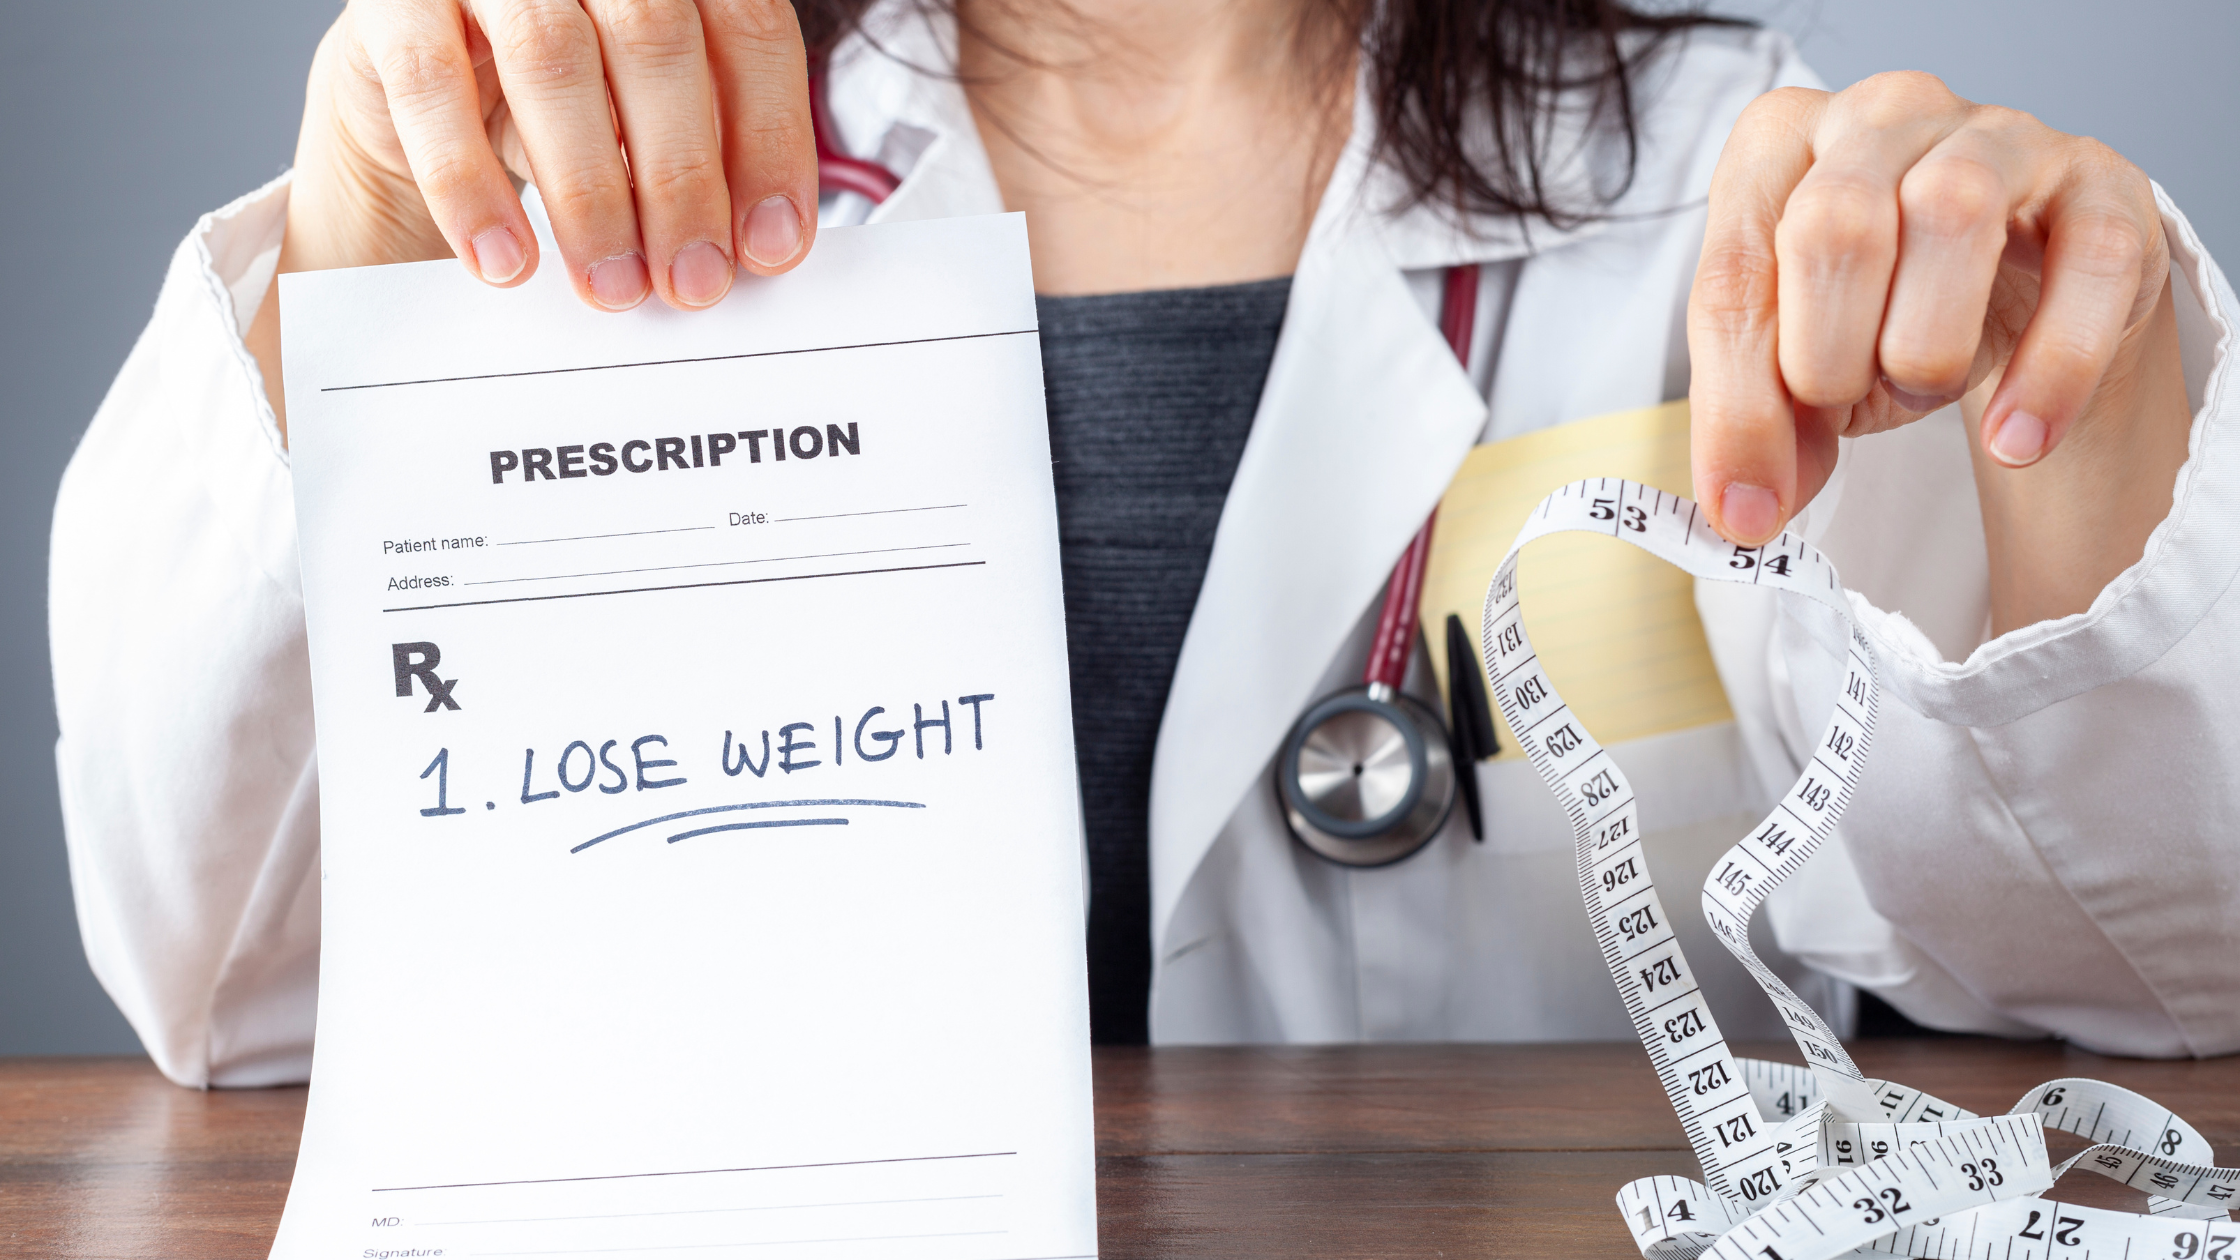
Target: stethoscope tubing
{"type": "Point", "coordinates": [1395, 641]}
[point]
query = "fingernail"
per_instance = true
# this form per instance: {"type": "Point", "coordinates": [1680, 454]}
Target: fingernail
{"type": "Point", "coordinates": [773, 231]}
{"type": "Point", "coordinates": [1911, 401]}
{"type": "Point", "coordinates": [619, 283]}
{"type": "Point", "coordinates": [2021, 439]}
{"type": "Point", "coordinates": [1750, 512]}
{"type": "Point", "coordinates": [498, 255]}
{"type": "Point", "coordinates": [700, 274]}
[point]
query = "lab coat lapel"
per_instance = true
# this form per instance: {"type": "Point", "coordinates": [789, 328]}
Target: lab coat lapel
{"type": "Point", "coordinates": [1364, 417]}
{"type": "Point", "coordinates": [1362, 422]}
{"type": "Point", "coordinates": [916, 123]}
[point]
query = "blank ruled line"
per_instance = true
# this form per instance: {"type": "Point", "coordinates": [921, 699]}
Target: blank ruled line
{"type": "Point", "coordinates": [834, 516]}
{"type": "Point", "coordinates": [714, 564]}
{"type": "Point", "coordinates": [696, 1172]}
{"type": "Point", "coordinates": [687, 586]}
{"type": "Point", "coordinates": [772, 1242]}
{"type": "Point", "coordinates": [706, 358]}
{"type": "Point", "coordinates": [635, 533]}
{"type": "Point", "coordinates": [767, 1207]}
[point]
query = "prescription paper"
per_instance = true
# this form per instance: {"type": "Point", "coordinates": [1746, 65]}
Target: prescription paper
{"type": "Point", "coordinates": [1616, 627]}
{"type": "Point", "coordinates": [702, 859]}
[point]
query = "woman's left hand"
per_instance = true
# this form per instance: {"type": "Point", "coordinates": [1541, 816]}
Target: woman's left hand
{"type": "Point", "coordinates": [1875, 253]}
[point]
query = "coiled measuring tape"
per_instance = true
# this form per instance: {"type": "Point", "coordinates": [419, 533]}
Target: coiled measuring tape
{"type": "Point", "coordinates": [1805, 1163]}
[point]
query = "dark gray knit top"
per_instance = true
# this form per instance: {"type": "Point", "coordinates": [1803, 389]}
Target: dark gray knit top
{"type": "Point", "coordinates": [1151, 396]}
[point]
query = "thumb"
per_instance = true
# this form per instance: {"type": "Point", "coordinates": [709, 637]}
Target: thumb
{"type": "Point", "coordinates": [1743, 449]}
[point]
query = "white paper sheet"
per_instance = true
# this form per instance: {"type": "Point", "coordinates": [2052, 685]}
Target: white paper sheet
{"type": "Point", "coordinates": [819, 996]}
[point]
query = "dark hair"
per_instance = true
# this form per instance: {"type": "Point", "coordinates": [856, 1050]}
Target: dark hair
{"type": "Point", "coordinates": [1454, 78]}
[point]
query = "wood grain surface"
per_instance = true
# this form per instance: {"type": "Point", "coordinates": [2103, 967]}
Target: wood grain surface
{"type": "Point", "coordinates": [1368, 1151]}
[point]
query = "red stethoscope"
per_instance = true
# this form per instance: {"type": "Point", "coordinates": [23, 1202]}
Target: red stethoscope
{"type": "Point", "coordinates": [1366, 776]}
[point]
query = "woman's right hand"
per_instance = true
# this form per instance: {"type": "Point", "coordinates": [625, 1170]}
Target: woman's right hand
{"type": "Point", "coordinates": [670, 140]}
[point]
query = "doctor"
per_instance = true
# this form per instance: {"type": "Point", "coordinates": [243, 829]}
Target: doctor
{"type": "Point", "coordinates": [2028, 342]}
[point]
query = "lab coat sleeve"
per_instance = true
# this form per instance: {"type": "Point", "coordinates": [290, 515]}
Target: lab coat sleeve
{"type": "Point", "coordinates": [2042, 840]}
{"type": "Point", "coordinates": [189, 784]}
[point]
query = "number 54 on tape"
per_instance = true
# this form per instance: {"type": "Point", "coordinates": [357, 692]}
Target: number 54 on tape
{"type": "Point", "coordinates": [1852, 1164]}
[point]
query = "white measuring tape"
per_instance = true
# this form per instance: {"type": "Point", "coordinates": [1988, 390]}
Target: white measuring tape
{"type": "Point", "coordinates": [1804, 1163]}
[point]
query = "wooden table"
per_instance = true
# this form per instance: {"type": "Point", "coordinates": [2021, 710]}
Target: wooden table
{"type": "Point", "coordinates": [1384, 1151]}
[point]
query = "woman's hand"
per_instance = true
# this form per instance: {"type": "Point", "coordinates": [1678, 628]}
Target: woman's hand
{"type": "Point", "coordinates": [670, 140]}
{"type": "Point", "coordinates": [1876, 253]}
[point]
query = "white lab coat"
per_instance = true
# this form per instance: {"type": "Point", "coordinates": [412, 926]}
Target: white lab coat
{"type": "Point", "coordinates": [2042, 843]}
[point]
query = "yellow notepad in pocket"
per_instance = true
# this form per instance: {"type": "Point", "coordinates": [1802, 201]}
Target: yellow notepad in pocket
{"type": "Point", "coordinates": [1615, 627]}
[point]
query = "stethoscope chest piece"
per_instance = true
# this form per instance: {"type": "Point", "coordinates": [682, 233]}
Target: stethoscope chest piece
{"type": "Point", "coordinates": [1365, 776]}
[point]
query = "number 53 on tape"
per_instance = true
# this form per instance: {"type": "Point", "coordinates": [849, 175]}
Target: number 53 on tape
{"type": "Point", "coordinates": [1849, 1164]}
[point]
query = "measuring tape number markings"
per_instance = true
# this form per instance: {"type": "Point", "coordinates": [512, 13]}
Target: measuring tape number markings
{"type": "Point", "coordinates": [1804, 1163]}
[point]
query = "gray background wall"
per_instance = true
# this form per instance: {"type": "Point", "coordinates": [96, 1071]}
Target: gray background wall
{"type": "Point", "coordinates": [127, 119]}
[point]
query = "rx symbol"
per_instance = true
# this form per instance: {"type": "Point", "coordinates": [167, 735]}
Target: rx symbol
{"type": "Point", "coordinates": [419, 660]}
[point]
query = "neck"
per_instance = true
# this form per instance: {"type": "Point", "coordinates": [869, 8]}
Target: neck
{"type": "Point", "coordinates": [1158, 143]}
{"type": "Point", "coordinates": [1132, 67]}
